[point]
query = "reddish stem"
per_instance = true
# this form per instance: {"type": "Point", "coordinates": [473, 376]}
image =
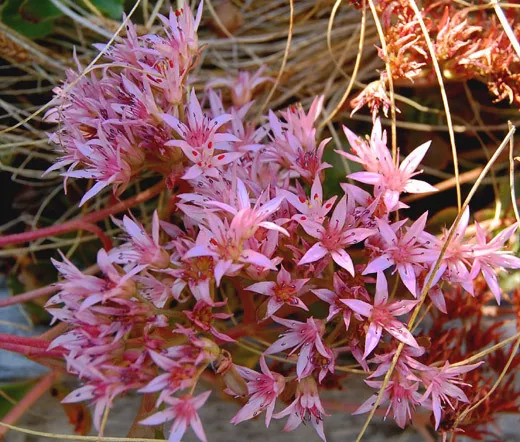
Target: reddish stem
{"type": "Point", "coordinates": [23, 340]}
{"type": "Point", "coordinates": [26, 403]}
{"type": "Point", "coordinates": [92, 228]}
{"type": "Point", "coordinates": [78, 224]}
{"type": "Point", "coordinates": [32, 352]}
{"type": "Point", "coordinates": [248, 305]}
{"type": "Point", "coordinates": [40, 292]}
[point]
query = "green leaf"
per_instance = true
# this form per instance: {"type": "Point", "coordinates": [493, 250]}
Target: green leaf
{"type": "Point", "coordinates": [111, 8]}
{"type": "Point", "coordinates": [32, 18]}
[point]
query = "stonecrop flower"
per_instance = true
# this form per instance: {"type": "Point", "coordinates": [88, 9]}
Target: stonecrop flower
{"type": "Point", "coordinates": [248, 258]}
{"type": "Point", "coordinates": [382, 316]}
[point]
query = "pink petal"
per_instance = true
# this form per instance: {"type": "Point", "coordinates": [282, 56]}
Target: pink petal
{"type": "Point", "coordinates": [366, 177]}
{"type": "Point", "coordinates": [358, 306]}
{"type": "Point", "coordinates": [372, 339]}
{"type": "Point", "coordinates": [412, 161]}
{"type": "Point", "coordinates": [316, 252]}
{"type": "Point", "coordinates": [379, 264]}
{"type": "Point", "coordinates": [251, 257]}
{"type": "Point", "coordinates": [343, 259]}
{"type": "Point", "coordinates": [400, 332]}
{"type": "Point", "coordinates": [264, 287]}
{"type": "Point", "coordinates": [417, 186]}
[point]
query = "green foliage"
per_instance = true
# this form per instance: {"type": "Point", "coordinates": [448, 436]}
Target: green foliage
{"type": "Point", "coordinates": [35, 18]}
{"type": "Point", "coordinates": [32, 18]}
{"type": "Point", "coordinates": [111, 8]}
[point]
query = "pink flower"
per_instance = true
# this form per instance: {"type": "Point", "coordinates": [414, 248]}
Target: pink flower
{"type": "Point", "coordinates": [242, 86]}
{"type": "Point", "coordinates": [333, 238]}
{"type": "Point", "coordinates": [284, 291]}
{"type": "Point", "coordinates": [314, 208]}
{"type": "Point", "coordinates": [200, 140]}
{"type": "Point", "coordinates": [202, 316]}
{"type": "Point", "coordinates": [402, 396]}
{"type": "Point", "coordinates": [335, 298]}
{"type": "Point", "coordinates": [181, 29]}
{"type": "Point", "coordinates": [489, 258]}
{"type": "Point", "coordinates": [178, 375]}
{"type": "Point", "coordinates": [229, 243]}
{"type": "Point", "coordinates": [305, 336]}
{"type": "Point", "coordinates": [455, 262]}
{"type": "Point", "coordinates": [404, 252]}
{"type": "Point", "coordinates": [305, 407]}
{"type": "Point", "coordinates": [142, 249]}
{"type": "Point", "coordinates": [389, 179]}
{"type": "Point", "coordinates": [263, 390]}
{"type": "Point", "coordinates": [79, 292]}
{"type": "Point", "coordinates": [441, 384]}
{"type": "Point", "coordinates": [382, 316]}
{"type": "Point", "coordinates": [105, 162]}
{"type": "Point", "coordinates": [183, 411]}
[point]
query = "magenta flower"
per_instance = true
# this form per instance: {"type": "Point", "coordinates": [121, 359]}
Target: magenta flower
{"type": "Point", "coordinates": [489, 258]}
{"type": "Point", "coordinates": [333, 238]}
{"type": "Point", "coordinates": [389, 179]}
{"type": "Point", "coordinates": [183, 411]}
{"type": "Point", "coordinates": [284, 291]}
{"type": "Point", "coordinates": [305, 336]}
{"type": "Point", "coordinates": [441, 385]}
{"type": "Point", "coordinates": [263, 390]}
{"type": "Point", "coordinates": [382, 316]}
{"type": "Point", "coordinates": [306, 407]}
{"type": "Point", "coordinates": [405, 252]}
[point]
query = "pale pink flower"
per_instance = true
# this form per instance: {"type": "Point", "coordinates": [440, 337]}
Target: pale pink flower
{"type": "Point", "coordinates": [389, 179]}
{"type": "Point", "coordinates": [200, 140]}
{"type": "Point", "coordinates": [306, 337]}
{"type": "Point", "coordinates": [79, 292]}
{"type": "Point", "coordinates": [182, 42]}
{"type": "Point", "coordinates": [306, 407]}
{"type": "Point", "coordinates": [142, 249]}
{"type": "Point", "coordinates": [242, 85]}
{"type": "Point", "coordinates": [441, 385]}
{"type": "Point", "coordinates": [227, 242]}
{"type": "Point", "coordinates": [405, 252]}
{"type": "Point", "coordinates": [333, 238]}
{"type": "Point", "coordinates": [284, 291]}
{"type": "Point", "coordinates": [382, 316]}
{"type": "Point", "coordinates": [313, 207]}
{"type": "Point", "coordinates": [104, 162]}
{"type": "Point", "coordinates": [402, 396]}
{"type": "Point", "coordinates": [334, 298]}
{"type": "Point", "coordinates": [183, 411]}
{"type": "Point", "coordinates": [489, 258]}
{"type": "Point", "coordinates": [202, 317]}
{"type": "Point", "coordinates": [263, 390]}
{"type": "Point", "coordinates": [177, 376]}
{"type": "Point", "coordinates": [456, 260]}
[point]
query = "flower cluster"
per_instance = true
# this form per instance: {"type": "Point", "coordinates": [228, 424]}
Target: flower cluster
{"type": "Point", "coordinates": [468, 42]}
{"type": "Point", "coordinates": [249, 243]}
